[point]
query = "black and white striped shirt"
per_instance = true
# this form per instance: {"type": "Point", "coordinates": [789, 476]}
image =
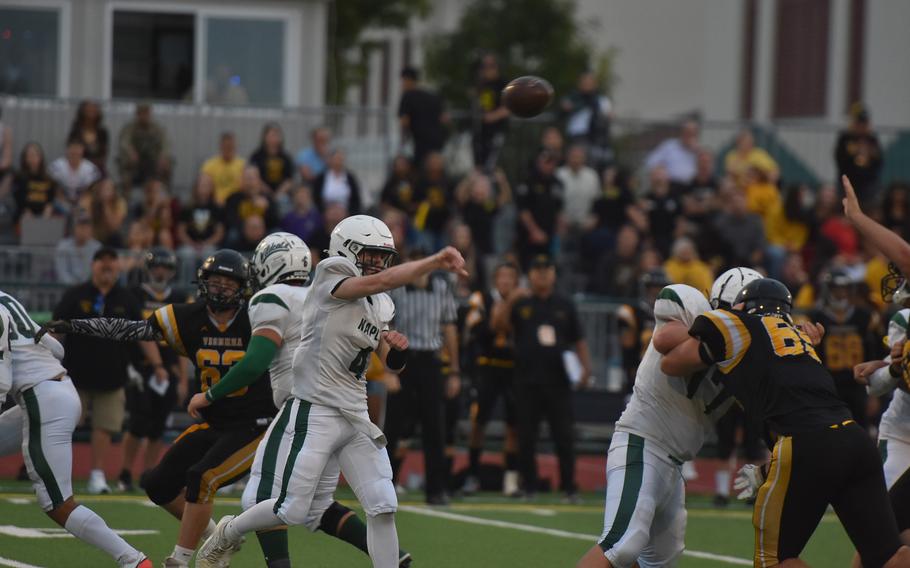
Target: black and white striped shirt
{"type": "Point", "coordinates": [420, 313]}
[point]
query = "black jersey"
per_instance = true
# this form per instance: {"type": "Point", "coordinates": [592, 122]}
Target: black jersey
{"type": "Point", "coordinates": [771, 367]}
{"type": "Point", "coordinates": [152, 300]}
{"type": "Point", "coordinates": [636, 325]}
{"type": "Point", "coordinates": [213, 349]}
{"type": "Point", "coordinates": [848, 341]}
{"type": "Point", "coordinates": [490, 348]}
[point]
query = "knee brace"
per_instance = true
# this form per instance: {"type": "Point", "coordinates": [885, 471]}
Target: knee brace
{"type": "Point", "coordinates": [331, 518]}
{"type": "Point", "coordinates": [378, 497]}
{"type": "Point", "coordinates": [160, 488]}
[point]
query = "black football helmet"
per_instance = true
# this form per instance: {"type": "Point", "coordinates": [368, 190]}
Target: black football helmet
{"type": "Point", "coordinates": [224, 262]}
{"type": "Point", "coordinates": [765, 297]}
{"type": "Point", "coordinates": [837, 288]}
{"type": "Point", "coordinates": [159, 257]}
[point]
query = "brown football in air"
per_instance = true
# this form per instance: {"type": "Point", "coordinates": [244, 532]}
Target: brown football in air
{"type": "Point", "coordinates": [527, 96]}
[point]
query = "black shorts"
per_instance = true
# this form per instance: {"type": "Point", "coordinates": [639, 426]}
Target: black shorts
{"type": "Point", "coordinates": [808, 471]}
{"type": "Point", "coordinates": [202, 459]}
{"type": "Point", "coordinates": [726, 436]}
{"type": "Point", "coordinates": [494, 383]}
{"type": "Point", "coordinates": [148, 411]}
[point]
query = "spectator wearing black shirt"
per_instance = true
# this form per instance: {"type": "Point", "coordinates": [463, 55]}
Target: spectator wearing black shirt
{"type": "Point", "coordinates": [616, 272]}
{"type": "Point", "coordinates": [98, 367]}
{"type": "Point", "coordinates": [337, 184]}
{"type": "Point", "coordinates": [480, 199]}
{"type": "Point", "coordinates": [87, 129]}
{"type": "Point", "coordinates": [252, 230]}
{"type": "Point", "coordinates": [276, 169]}
{"type": "Point", "coordinates": [398, 189]}
{"type": "Point", "coordinates": [434, 201]}
{"type": "Point", "coordinates": [544, 326]}
{"type": "Point", "coordinates": [741, 232]}
{"type": "Point", "coordinates": [663, 209]}
{"type": "Point", "coordinates": [588, 114]}
{"type": "Point", "coordinates": [201, 226]}
{"type": "Point", "coordinates": [33, 187]}
{"type": "Point", "coordinates": [859, 155]}
{"type": "Point", "coordinates": [252, 200]}
{"type": "Point", "coordinates": [540, 203]}
{"type": "Point", "coordinates": [490, 115]}
{"type": "Point", "coordinates": [333, 214]}
{"type": "Point", "coordinates": [421, 115]}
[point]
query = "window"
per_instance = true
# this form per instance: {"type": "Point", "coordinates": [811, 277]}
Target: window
{"type": "Point", "coordinates": [153, 55]}
{"type": "Point", "coordinates": [801, 61]}
{"type": "Point", "coordinates": [244, 61]}
{"type": "Point", "coordinates": [29, 51]}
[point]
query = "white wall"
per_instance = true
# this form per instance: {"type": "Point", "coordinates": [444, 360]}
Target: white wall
{"type": "Point", "coordinates": [886, 82]}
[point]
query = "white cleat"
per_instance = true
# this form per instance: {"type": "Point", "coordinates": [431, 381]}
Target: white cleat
{"type": "Point", "coordinates": [97, 484]}
{"type": "Point", "coordinates": [171, 562]}
{"type": "Point", "coordinates": [217, 550]}
{"type": "Point", "coordinates": [510, 485]}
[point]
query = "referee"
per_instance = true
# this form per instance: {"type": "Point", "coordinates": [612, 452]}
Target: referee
{"type": "Point", "coordinates": [426, 313]}
{"type": "Point", "coordinates": [545, 325]}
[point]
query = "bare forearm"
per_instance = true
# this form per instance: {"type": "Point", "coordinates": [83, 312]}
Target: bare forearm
{"type": "Point", "coordinates": [450, 336]}
{"type": "Point", "coordinates": [889, 243]}
{"type": "Point", "coordinates": [584, 354]}
{"type": "Point", "coordinates": [152, 355]}
{"type": "Point", "coordinates": [395, 277]}
{"type": "Point", "coordinates": [669, 336]}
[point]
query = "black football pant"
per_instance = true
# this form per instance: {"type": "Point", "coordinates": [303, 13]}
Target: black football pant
{"type": "Point", "coordinates": [533, 403]}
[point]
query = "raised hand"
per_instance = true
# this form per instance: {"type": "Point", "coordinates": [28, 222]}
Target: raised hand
{"type": "Point", "coordinates": [852, 210]}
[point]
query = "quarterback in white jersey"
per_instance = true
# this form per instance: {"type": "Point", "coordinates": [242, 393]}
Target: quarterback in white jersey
{"type": "Point", "coordinates": [664, 425]}
{"type": "Point", "coordinates": [42, 425]}
{"type": "Point", "coordinates": [345, 318]}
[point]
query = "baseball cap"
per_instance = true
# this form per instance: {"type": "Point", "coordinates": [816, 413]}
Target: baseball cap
{"type": "Point", "coordinates": [105, 252]}
{"type": "Point", "coordinates": [542, 261]}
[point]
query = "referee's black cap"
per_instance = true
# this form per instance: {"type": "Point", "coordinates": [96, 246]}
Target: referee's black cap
{"type": "Point", "coordinates": [542, 261]}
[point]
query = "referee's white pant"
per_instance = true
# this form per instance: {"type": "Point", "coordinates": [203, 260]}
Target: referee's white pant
{"type": "Point", "coordinates": [319, 435]}
{"type": "Point", "coordinates": [271, 459]}
{"type": "Point", "coordinates": [645, 513]}
{"type": "Point", "coordinates": [42, 427]}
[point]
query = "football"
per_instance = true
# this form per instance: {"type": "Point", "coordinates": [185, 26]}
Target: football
{"type": "Point", "coordinates": [527, 96]}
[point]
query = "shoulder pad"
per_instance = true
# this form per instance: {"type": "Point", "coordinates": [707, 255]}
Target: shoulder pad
{"type": "Point", "coordinates": [338, 265]}
{"type": "Point", "coordinates": [897, 327]}
{"type": "Point", "coordinates": [679, 302]}
{"type": "Point", "coordinates": [385, 307]}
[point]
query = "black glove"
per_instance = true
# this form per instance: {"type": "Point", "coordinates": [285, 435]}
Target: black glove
{"type": "Point", "coordinates": [58, 327]}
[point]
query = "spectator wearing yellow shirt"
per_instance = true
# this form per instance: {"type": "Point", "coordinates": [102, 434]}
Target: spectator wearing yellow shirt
{"type": "Point", "coordinates": [225, 169]}
{"type": "Point", "coordinates": [795, 277]}
{"type": "Point", "coordinates": [876, 270]}
{"type": "Point", "coordinates": [789, 226]}
{"type": "Point", "coordinates": [762, 196]}
{"type": "Point", "coordinates": [684, 266]}
{"type": "Point", "coordinates": [745, 155]}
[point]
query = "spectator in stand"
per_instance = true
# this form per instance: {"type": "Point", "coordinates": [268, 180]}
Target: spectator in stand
{"type": "Point", "coordinates": [333, 214]}
{"type": "Point", "coordinates": [87, 128]}
{"type": "Point", "coordinates": [144, 150]}
{"type": "Point", "coordinates": [225, 169]}
{"type": "Point", "coordinates": [73, 256]}
{"type": "Point", "coordinates": [252, 200]}
{"type": "Point", "coordinates": [859, 155]}
{"type": "Point", "coordinates": [698, 208]}
{"type": "Point", "coordinates": [304, 219]}
{"type": "Point", "coordinates": [33, 187]}
{"type": "Point", "coordinates": [616, 272]}
{"type": "Point", "coordinates": [6, 149]}
{"type": "Point", "coordinates": [581, 184]}
{"type": "Point", "coordinates": [337, 184]}
{"type": "Point", "coordinates": [312, 161]}
{"type": "Point", "coordinates": [791, 226]}
{"type": "Point", "coordinates": [201, 226]}
{"type": "Point", "coordinates": [741, 231]}
{"type": "Point", "coordinates": [745, 156]}
{"type": "Point", "coordinates": [684, 266]}
{"type": "Point", "coordinates": [762, 196]}
{"type": "Point", "coordinates": [156, 212]}
{"type": "Point", "coordinates": [98, 367]}
{"type": "Point", "coordinates": [490, 116]}
{"type": "Point", "coordinates": [588, 114]}
{"type": "Point", "coordinates": [796, 279]}
{"type": "Point", "coordinates": [252, 230]}
{"type": "Point", "coordinates": [422, 116]}
{"type": "Point", "coordinates": [480, 200]}
{"type": "Point", "coordinates": [705, 179]}
{"type": "Point", "coordinates": [139, 238]}
{"type": "Point", "coordinates": [663, 209]}
{"type": "Point", "coordinates": [73, 173]}
{"type": "Point", "coordinates": [9, 212]}
{"type": "Point", "coordinates": [108, 210]}
{"type": "Point", "coordinates": [398, 189]}
{"type": "Point", "coordinates": [462, 239]}
{"type": "Point", "coordinates": [540, 203]}
{"type": "Point", "coordinates": [677, 155]}
{"type": "Point", "coordinates": [614, 205]}
{"type": "Point", "coordinates": [896, 209]}
{"type": "Point", "coordinates": [434, 200]}
{"type": "Point", "coordinates": [273, 162]}
{"type": "Point", "coordinates": [836, 232]}
{"type": "Point", "coordinates": [552, 141]}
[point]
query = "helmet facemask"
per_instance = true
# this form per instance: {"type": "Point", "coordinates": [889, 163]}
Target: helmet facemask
{"type": "Point", "coordinates": [219, 292]}
{"type": "Point", "coordinates": [894, 286]}
{"type": "Point", "coordinates": [372, 260]}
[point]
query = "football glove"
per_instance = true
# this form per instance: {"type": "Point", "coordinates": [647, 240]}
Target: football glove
{"type": "Point", "coordinates": [748, 479]}
{"type": "Point", "coordinates": [59, 327]}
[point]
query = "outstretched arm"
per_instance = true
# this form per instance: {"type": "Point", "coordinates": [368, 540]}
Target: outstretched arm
{"type": "Point", "coordinates": [896, 249]}
{"type": "Point", "coordinates": [105, 328]}
{"type": "Point", "coordinates": [355, 287]}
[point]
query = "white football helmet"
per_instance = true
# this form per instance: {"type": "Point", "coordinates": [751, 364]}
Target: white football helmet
{"type": "Point", "coordinates": [728, 285]}
{"type": "Point", "coordinates": [281, 257]}
{"type": "Point", "coordinates": [360, 233]}
{"type": "Point", "coordinates": [895, 287]}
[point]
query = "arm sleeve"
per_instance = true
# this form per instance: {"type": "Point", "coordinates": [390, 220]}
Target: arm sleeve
{"type": "Point", "coordinates": [117, 329]}
{"type": "Point", "coordinates": [258, 357]}
{"type": "Point", "coordinates": [881, 382]}
{"type": "Point", "coordinates": [724, 336]}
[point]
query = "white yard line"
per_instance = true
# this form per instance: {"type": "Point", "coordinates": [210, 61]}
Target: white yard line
{"type": "Point", "coordinates": [15, 563]}
{"type": "Point", "coordinates": [553, 532]}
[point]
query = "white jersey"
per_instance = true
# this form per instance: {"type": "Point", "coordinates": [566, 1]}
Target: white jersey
{"type": "Point", "coordinates": [662, 409]}
{"type": "Point", "coordinates": [28, 362]}
{"type": "Point", "coordinates": [895, 423]}
{"type": "Point", "coordinates": [337, 338]}
{"type": "Point", "coordinates": [278, 308]}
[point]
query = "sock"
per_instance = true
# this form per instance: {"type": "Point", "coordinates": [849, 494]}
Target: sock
{"type": "Point", "coordinates": [474, 460]}
{"type": "Point", "coordinates": [209, 531]}
{"type": "Point", "coordinates": [354, 532]}
{"type": "Point", "coordinates": [382, 539]}
{"type": "Point", "coordinates": [258, 517]}
{"type": "Point", "coordinates": [88, 527]}
{"type": "Point", "coordinates": [511, 461]}
{"type": "Point", "coordinates": [182, 554]}
{"type": "Point", "coordinates": [274, 546]}
{"type": "Point", "coordinates": [722, 481]}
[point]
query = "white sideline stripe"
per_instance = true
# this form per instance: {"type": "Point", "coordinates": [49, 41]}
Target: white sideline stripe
{"type": "Point", "coordinates": [554, 532]}
{"type": "Point", "coordinates": [15, 563]}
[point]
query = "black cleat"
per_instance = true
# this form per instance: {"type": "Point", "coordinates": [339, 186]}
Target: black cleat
{"type": "Point", "coordinates": [405, 560]}
{"type": "Point", "coordinates": [721, 501]}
